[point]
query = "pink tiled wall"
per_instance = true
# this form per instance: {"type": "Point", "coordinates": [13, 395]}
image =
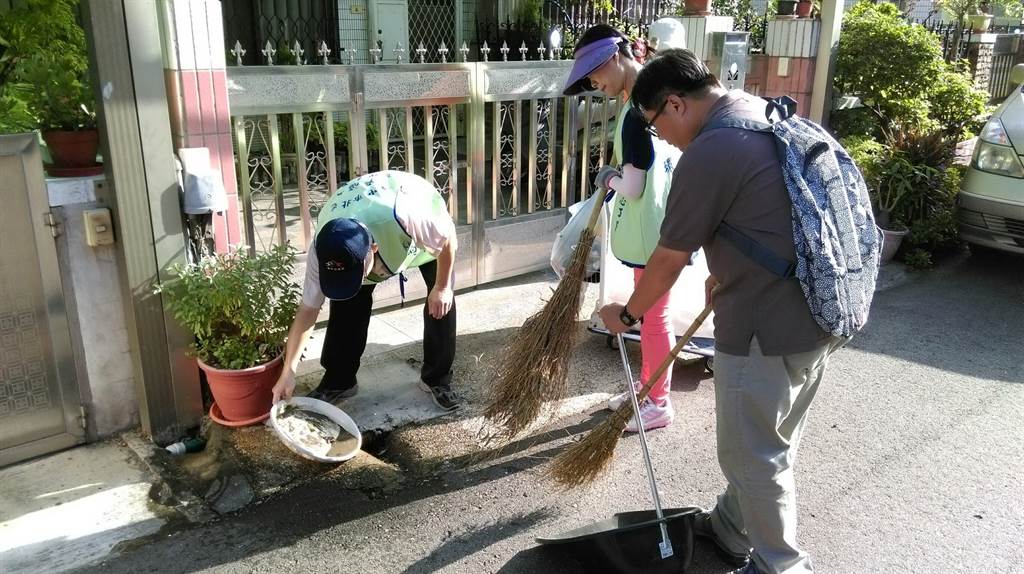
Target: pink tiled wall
{"type": "Point", "coordinates": [797, 83]}
{"type": "Point", "coordinates": [200, 116]}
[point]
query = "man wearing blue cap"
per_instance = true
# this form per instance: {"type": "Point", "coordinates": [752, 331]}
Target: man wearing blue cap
{"type": "Point", "coordinates": [376, 226]}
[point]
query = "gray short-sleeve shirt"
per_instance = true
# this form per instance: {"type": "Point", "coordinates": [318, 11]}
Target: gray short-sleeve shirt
{"type": "Point", "coordinates": [734, 175]}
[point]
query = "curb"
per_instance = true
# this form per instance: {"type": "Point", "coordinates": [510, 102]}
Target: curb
{"type": "Point", "coordinates": [193, 508]}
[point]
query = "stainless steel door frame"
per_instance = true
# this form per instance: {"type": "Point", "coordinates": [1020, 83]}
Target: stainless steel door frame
{"type": "Point", "coordinates": [40, 405]}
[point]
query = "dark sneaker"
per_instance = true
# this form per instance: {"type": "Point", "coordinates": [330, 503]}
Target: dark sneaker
{"type": "Point", "coordinates": [333, 396]}
{"type": "Point", "coordinates": [443, 396]}
{"type": "Point", "coordinates": [702, 528]}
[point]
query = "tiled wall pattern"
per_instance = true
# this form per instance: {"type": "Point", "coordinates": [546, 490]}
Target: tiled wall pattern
{"type": "Point", "coordinates": [197, 86]}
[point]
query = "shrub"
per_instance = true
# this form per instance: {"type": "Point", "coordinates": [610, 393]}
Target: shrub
{"type": "Point", "coordinates": [918, 259]}
{"type": "Point", "coordinates": [956, 105]}
{"type": "Point", "coordinates": [898, 72]}
{"type": "Point", "coordinates": [889, 64]}
{"type": "Point", "coordinates": [237, 306]}
{"type": "Point", "coordinates": [44, 68]}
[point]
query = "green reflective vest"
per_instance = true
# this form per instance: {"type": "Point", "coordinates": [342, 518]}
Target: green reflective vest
{"type": "Point", "coordinates": [636, 223]}
{"type": "Point", "coordinates": [371, 200]}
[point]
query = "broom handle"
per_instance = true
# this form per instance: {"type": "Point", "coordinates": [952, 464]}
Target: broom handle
{"type": "Point", "coordinates": [672, 354]}
{"type": "Point", "coordinates": [595, 212]}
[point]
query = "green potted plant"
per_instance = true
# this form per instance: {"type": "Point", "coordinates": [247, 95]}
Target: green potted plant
{"type": "Point", "coordinates": [47, 52]}
{"type": "Point", "coordinates": [805, 8]}
{"type": "Point", "coordinates": [977, 13]}
{"type": "Point", "coordinates": [44, 82]}
{"type": "Point", "coordinates": [239, 308]}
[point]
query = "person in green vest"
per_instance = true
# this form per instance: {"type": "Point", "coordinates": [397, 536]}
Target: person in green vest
{"type": "Point", "coordinates": [375, 227]}
{"type": "Point", "coordinates": [606, 60]}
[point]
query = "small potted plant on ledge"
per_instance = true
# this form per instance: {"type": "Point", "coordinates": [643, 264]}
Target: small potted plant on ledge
{"type": "Point", "coordinates": [805, 8]}
{"type": "Point", "coordinates": [65, 111]}
{"type": "Point", "coordinates": [44, 83]}
{"type": "Point", "coordinates": [239, 308]}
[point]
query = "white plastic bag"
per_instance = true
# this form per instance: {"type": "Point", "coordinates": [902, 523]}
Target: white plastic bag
{"type": "Point", "coordinates": [565, 242]}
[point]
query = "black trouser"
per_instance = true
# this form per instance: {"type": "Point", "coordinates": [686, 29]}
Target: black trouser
{"type": "Point", "coordinates": [346, 338]}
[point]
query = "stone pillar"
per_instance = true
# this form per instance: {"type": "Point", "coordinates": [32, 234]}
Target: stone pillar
{"type": "Point", "coordinates": [980, 54]}
{"type": "Point", "coordinates": [791, 47]}
{"type": "Point", "coordinates": [194, 72]}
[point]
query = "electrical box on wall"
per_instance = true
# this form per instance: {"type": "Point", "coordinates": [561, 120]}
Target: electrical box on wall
{"type": "Point", "coordinates": [99, 230]}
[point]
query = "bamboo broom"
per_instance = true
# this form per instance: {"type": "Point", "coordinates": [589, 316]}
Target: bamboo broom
{"type": "Point", "coordinates": [534, 364]}
{"type": "Point", "coordinates": [587, 459]}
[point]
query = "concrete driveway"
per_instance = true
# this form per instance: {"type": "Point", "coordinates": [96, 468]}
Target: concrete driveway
{"type": "Point", "coordinates": [912, 461]}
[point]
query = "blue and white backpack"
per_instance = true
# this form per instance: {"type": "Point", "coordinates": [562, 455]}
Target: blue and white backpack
{"type": "Point", "coordinates": [834, 232]}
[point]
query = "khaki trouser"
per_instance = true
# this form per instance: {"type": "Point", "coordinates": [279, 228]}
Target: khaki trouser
{"type": "Point", "coordinates": [761, 405]}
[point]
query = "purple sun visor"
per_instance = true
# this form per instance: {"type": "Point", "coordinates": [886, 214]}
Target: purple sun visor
{"type": "Point", "coordinates": [587, 59]}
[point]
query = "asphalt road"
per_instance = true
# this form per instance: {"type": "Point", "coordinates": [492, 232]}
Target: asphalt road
{"type": "Point", "coordinates": [912, 461]}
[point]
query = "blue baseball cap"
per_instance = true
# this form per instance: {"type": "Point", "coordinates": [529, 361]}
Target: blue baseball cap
{"type": "Point", "coordinates": [341, 249]}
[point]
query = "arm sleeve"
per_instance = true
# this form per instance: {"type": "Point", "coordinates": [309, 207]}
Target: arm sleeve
{"type": "Point", "coordinates": [428, 228]}
{"type": "Point", "coordinates": [637, 148]}
{"type": "Point", "coordinates": [312, 296]}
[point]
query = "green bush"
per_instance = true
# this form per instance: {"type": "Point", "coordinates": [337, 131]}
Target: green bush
{"type": "Point", "coordinates": [44, 68]}
{"type": "Point", "coordinates": [918, 259]}
{"type": "Point", "coordinates": [899, 74]}
{"type": "Point", "coordinates": [852, 122]}
{"type": "Point", "coordinates": [889, 64]}
{"type": "Point", "coordinates": [238, 307]}
{"type": "Point", "coordinates": [956, 105]}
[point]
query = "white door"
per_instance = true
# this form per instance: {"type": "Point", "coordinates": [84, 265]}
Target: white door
{"type": "Point", "coordinates": [389, 23]}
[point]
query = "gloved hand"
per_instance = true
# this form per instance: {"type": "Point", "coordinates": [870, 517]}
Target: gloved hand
{"type": "Point", "coordinates": [605, 175]}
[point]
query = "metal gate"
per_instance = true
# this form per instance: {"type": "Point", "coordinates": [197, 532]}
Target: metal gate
{"type": "Point", "coordinates": [39, 399]}
{"type": "Point", "coordinates": [497, 139]}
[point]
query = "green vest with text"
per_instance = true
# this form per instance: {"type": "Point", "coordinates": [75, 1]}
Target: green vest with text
{"type": "Point", "coordinates": [636, 223]}
{"type": "Point", "coordinates": [371, 200]}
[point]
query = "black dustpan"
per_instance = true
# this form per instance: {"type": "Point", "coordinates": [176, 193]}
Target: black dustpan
{"type": "Point", "coordinates": [627, 543]}
{"type": "Point", "coordinates": [645, 541]}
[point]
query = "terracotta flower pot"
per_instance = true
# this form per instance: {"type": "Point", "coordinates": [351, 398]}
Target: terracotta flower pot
{"type": "Point", "coordinates": [803, 9]}
{"type": "Point", "coordinates": [786, 9]}
{"type": "Point", "coordinates": [73, 153]}
{"type": "Point", "coordinates": [697, 8]}
{"type": "Point", "coordinates": [244, 395]}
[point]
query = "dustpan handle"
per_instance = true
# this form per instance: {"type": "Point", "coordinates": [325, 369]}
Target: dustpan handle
{"type": "Point", "coordinates": [666, 545]}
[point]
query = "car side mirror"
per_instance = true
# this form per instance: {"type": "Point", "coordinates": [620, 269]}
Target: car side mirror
{"type": "Point", "coordinates": [1017, 74]}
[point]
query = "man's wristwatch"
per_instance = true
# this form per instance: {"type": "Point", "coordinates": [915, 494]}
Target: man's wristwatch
{"type": "Point", "coordinates": [627, 319]}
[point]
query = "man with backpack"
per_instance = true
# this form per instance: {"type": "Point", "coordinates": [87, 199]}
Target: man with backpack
{"type": "Point", "coordinates": [793, 252]}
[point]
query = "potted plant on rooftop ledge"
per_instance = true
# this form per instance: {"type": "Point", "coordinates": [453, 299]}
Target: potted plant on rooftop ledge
{"type": "Point", "coordinates": [978, 13]}
{"type": "Point", "coordinates": [239, 308]}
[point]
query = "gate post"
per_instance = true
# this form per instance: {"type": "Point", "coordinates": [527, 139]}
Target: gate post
{"type": "Point", "coordinates": [136, 143]}
{"type": "Point", "coordinates": [824, 67]}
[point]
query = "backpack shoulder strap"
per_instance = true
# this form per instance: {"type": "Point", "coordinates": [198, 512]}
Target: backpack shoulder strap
{"type": "Point", "coordinates": [755, 251]}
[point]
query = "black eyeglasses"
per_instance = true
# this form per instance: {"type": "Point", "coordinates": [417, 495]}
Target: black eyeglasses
{"type": "Point", "coordinates": [650, 125]}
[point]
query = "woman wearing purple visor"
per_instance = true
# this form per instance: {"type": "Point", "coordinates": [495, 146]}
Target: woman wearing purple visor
{"type": "Point", "coordinates": [606, 60]}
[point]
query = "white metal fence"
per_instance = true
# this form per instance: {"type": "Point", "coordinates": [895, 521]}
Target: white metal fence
{"type": "Point", "coordinates": [497, 139]}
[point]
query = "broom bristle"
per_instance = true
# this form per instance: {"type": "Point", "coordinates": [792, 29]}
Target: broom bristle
{"type": "Point", "coordinates": [586, 460]}
{"type": "Point", "coordinates": [534, 364]}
